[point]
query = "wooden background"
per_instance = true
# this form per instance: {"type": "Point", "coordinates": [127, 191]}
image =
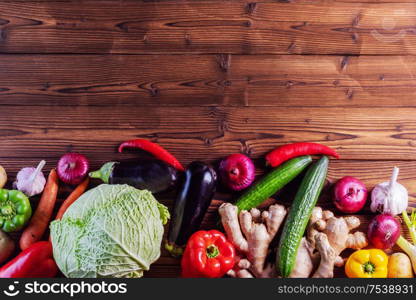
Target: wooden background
{"type": "Point", "coordinates": [209, 78]}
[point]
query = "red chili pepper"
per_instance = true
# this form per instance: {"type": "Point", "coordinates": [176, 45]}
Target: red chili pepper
{"type": "Point", "coordinates": [154, 149]}
{"type": "Point", "coordinates": [207, 254]}
{"type": "Point", "coordinates": [33, 262]}
{"type": "Point", "coordinates": [288, 151]}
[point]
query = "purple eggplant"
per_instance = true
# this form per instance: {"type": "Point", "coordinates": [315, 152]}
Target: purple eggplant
{"type": "Point", "coordinates": [192, 202]}
{"type": "Point", "coordinates": [144, 174]}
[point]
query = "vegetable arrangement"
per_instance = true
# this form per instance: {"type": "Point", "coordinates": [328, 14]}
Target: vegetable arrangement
{"type": "Point", "coordinates": [116, 229]}
{"type": "Point", "coordinates": [299, 214]}
{"type": "Point", "coordinates": [272, 182]}
{"type": "Point", "coordinates": [389, 198]}
{"type": "Point", "coordinates": [329, 236]}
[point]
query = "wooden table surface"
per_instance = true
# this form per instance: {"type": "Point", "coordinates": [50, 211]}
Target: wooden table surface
{"type": "Point", "coordinates": [210, 78]}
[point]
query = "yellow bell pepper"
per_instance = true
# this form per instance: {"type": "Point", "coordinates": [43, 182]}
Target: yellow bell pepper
{"type": "Point", "coordinates": [371, 263]}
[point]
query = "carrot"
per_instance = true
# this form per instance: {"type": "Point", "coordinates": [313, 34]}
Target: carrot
{"type": "Point", "coordinates": [40, 219]}
{"type": "Point", "coordinates": [79, 190]}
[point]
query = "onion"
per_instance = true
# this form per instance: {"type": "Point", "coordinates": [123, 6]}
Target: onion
{"type": "Point", "coordinates": [237, 171]}
{"type": "Point", "coordinates": [350, 194]}
{"type": "Point", "coordinates": [72, 168]}
{"type": "Point", "coordinates": [383, 231]}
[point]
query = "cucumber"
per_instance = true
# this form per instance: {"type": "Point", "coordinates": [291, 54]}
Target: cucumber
{"type": "Point", "coordinates": [299, 214]}
{"type": "Point", "coordinates": [272, 182]}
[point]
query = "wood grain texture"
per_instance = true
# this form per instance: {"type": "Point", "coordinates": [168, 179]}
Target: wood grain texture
{"type": "Point", "coordinates": [208, 80]}
{"type": "Point", "coordinates": [113, 80]}
{"type": "Point", "coordinates": [207, 132]}
{"type": "Point", "coordinates": [208, 27]}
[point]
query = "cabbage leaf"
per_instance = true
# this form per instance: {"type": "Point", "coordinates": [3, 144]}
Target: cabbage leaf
{"type": "Point", "coordinates": [110, 231]}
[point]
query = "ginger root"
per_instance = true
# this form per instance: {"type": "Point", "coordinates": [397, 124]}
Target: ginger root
{"type": "Point", "coordinates": [306, 260]}
{"type": "Point", "coordinates": [251, 232]}
{"type": "Point", "coordinates": [326, 238]}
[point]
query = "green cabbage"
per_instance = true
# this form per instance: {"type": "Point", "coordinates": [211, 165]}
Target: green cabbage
{"type": "Point", "coordinates": [110, 231]}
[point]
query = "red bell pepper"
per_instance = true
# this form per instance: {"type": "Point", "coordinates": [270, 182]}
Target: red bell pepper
{"type": "Point", "coordinates": [154, 149]}
{"type": "Point", "coordinates": [289, 151]}
{"type": "Point", "coordinates": [33, 262]}
{"type": "Point", "coordinates": [207, 254]}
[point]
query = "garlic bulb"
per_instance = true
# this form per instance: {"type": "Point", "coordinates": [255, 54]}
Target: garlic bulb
{"type": "Point", "coordinates": [389, 197]}
{"type": "Point", "coordinates": [31, 181]}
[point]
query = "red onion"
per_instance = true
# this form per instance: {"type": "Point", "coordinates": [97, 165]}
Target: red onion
{"type": "Point", "coordinates": [237, 171]}
{"type": "Point", "coordinates": [72, 168]}
{"type": "Point", "coordinates": [350, 194]}
{"type": "Point", "coordinates": [383, 231]}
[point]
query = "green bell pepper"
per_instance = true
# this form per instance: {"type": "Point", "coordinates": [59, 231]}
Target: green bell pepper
{"type": "Point", "coordinates": [15, 210]}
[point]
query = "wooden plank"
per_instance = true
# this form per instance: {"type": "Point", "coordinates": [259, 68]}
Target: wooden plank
{"type": "Point", "coordinates": [120, 2]}
{"type": "Point", "coordinates": [208, 27]}
{"type": "Point", "coordinates": [289, 80]}
{"type": "Point", "coordinates": [111, 80]}
{"type": "Point", "coordinates": [208, 80]}
{"type": "Point", "coordinates": [194, 133]}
